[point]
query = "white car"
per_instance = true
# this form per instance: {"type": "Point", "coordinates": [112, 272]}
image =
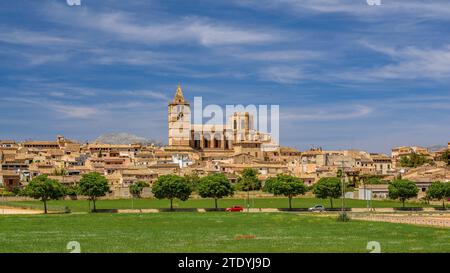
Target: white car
{"type": "Point", "coordinates": [317, 208]}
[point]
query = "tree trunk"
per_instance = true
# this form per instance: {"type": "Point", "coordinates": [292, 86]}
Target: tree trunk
{"type": "Point", "coordinates": [290, 202]}
{"type": "Point", "coordinates": [95, 208]}
{"type": "Point", "coordinates": [215, 202]}
{"type": "Point", "coordinates": [331, 202]}
{"type": "Point", "coordinates": [171, 204]}
{"type": "Point", "coordinates": [45, 206]}
{"type": "Point", "coordinates": [443, 203]}
{"type": "Point", "coordinates": [403, 201]}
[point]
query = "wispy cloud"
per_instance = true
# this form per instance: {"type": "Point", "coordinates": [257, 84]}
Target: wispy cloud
{"type": "Point", "coordinates": [34, 38]}
{"type": "Point", "coordinates": [326, 112]}
{"type": "Point", "coordinates": [64, 109]}
{"type": "Point", "coordinates": [147, 94]}
{"type": "Point", "coordinates": [406, 63]}
{"type": "Point", "coordinates": [282, 74]}
{"type": "Point", "coordinates": [418, 9]}
{"type": "Point", "coordinates": [187, 29]}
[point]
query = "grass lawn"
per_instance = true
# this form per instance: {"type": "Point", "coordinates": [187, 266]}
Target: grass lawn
{"type": "Point", "coordinates": [302, 202]}
{"type": "Point", "coordinates": [212, 232]}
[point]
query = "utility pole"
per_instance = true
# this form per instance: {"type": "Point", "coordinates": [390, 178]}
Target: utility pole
{"type": "Point", "coordinates": [342, 186]}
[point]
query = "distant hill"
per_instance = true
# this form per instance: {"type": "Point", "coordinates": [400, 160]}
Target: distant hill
{"type": "Point", "coordinates": [435, 148]}
{"type": "Point", "coordinates": [125, 138]}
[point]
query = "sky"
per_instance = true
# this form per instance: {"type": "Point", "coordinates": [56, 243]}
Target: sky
{"type": "Point", "coordinates": [345, 74]}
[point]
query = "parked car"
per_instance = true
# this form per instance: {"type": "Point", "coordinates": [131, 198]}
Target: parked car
{"type": "Point", "coordinates": [317, 208]}
{"type": "Point", "coordinates": [235, 208]}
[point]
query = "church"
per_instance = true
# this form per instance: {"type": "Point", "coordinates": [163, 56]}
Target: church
{"type": "Point", "coordinates": [237, 136]}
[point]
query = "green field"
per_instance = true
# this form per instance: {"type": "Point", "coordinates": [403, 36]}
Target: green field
{"type": "Point", "coordinates": [212, 232]}
{"type": "Point", "coordinates": [83, 205]}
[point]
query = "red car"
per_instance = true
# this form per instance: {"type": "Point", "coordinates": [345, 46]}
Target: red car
{"type": "Point", "coordinates": [235, 208]}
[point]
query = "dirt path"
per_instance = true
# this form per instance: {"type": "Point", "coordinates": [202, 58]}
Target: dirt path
{"type": "Point", "coordinates": [15, 210]}
{"type": "Point", "coordinates": [436, 220]}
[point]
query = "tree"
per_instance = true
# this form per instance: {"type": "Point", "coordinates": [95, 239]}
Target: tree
{"type": "Point", "coordinates": [193, 180]}
{"type": "Point", "coordinates": [446, 157]}
{"type": "Point", "coordinates": [439, 190]}
{"type": "Point", "coordinates": [45, 189]}
{"type": "Point", "coordinates": [288, 186]}
{"type": "Point", "coordinates": [374, 181]}
{"type": "Point", "coordinates": [93, 185]}
{"type": "Point", "coordinates": [72, 191]}
{"type": "Point", "coordinates": [172, 186]}
{"type": "Point", "coordinates": [137, 188]}
{"type": "Point", "coordinates": [402, 189]}
{"type": "Point", "coordinates": [248, 181]}
{"type": "Point", "coordinates": [413, 160]}
{"type": "Point", "coordinates": [215, 186]}
{"type": "Point", "coordinates": [328, 187]}
{"type": "Point", "coordinates": [268, 184]}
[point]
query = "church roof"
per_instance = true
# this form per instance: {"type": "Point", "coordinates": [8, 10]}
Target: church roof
{"type": "Point", "coordinates": [179, 98]}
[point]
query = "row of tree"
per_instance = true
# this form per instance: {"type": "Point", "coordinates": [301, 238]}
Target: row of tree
{"type": "Point", "coordinates": [43, 188]}
{"type": "Point", "coordinates": [217, 186]}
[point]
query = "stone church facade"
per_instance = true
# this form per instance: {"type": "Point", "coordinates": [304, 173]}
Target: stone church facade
{"type": "Point", "coordinates": [238, 134]}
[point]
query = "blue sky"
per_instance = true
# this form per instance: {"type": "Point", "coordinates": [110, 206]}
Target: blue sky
{"type": "Point", "coordinates": [345, 74]}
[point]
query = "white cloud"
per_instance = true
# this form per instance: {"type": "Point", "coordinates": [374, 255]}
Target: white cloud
{"type": "Point", "coordinates": [406, 63]}
{"type": "Point", "coordinates": [282, 74]}
{"type": "Point", "coordinates": [41, 59]}
{"type": "Point", "coordinates": [417, 9]}
{"type": "Point", "coordinates": [326, 112]}
{"type": "Point", "coordinates": [33, 38]}
{"type": "Point", "coordinates": [278, 55]}
{"type": "Point", "coordinates": [66, 110]}
{"type": "Point", "coordinates": [182, 30]}
{"type": "Point", "coordinates": [147, 94]}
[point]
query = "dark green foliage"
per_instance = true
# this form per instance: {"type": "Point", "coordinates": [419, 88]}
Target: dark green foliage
{"type": "Point", "coordinates": [402, 189]}
{"type": "Point", "coordinates": [439, 190]}
{"type": "Point", "coordinates": [248, 181]}
{"type": "Point", "coordinates": [413, 160]}
{"type": "Point", "coordinates": [343, 217]}
{"type": "Point", "coordinates": [93, 185]}
{"type": "Point", "coordinates": [215, 186]}
{"type": "Point", "coordinates": [193, 180]}
{"type": "Point", "coordinates": [328, 187]}
{"type": "Point", "coordinates": [137, 188]}
{"type": "Point", "coordinates": [170, 187]}
{"type": "Point", "coordinates": [286, 185]}
{"type": "Point", "coordinates": [446, 157]}
{"type": "Point", "coordinates": [72, 190]}
{"type": "Point", "coordinates": [43, 188]}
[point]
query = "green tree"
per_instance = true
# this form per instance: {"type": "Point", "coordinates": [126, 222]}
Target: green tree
{"type": "Point", "coordinates": [193, 180]}
{"type": "Point", "coordinates": [288, 186]}
{"type": "Point", "coordinates": [72, 190]}
{"type": "Point", "coordinates": [402, 189]}
{"type": "Point", "coordinates": [374, 181]}
{"type": "Point", "coordinates": [248, 181]}
{"type": "Point", "coordinates": [328, 187]}
{"type": "Point", "coordinates": [93, 185]}
{"type": "Point", "coordinates": [413, 160]}
{"type": "Point", "coordinates": [45, 189]}
{"type": "Point", "coordinates": [446, 157]}
{"type": "Point", "coordinates": [172, 186]}
{"type": "Point", "coordinates": [137, 188]}
{"type": "Point", "coordinates": [439, 190]}
{"type": "Point", "coordinates": [268, 184]}
{"type": "Point", "coordinates": [215, 186]}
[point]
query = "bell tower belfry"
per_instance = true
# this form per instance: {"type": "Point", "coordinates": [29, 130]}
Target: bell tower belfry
{"type": "Point", "coordinates": [179, 120]}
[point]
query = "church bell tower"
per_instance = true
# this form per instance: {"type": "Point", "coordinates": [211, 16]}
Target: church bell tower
{"type": "Point", "coordinates": [179, 120]}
